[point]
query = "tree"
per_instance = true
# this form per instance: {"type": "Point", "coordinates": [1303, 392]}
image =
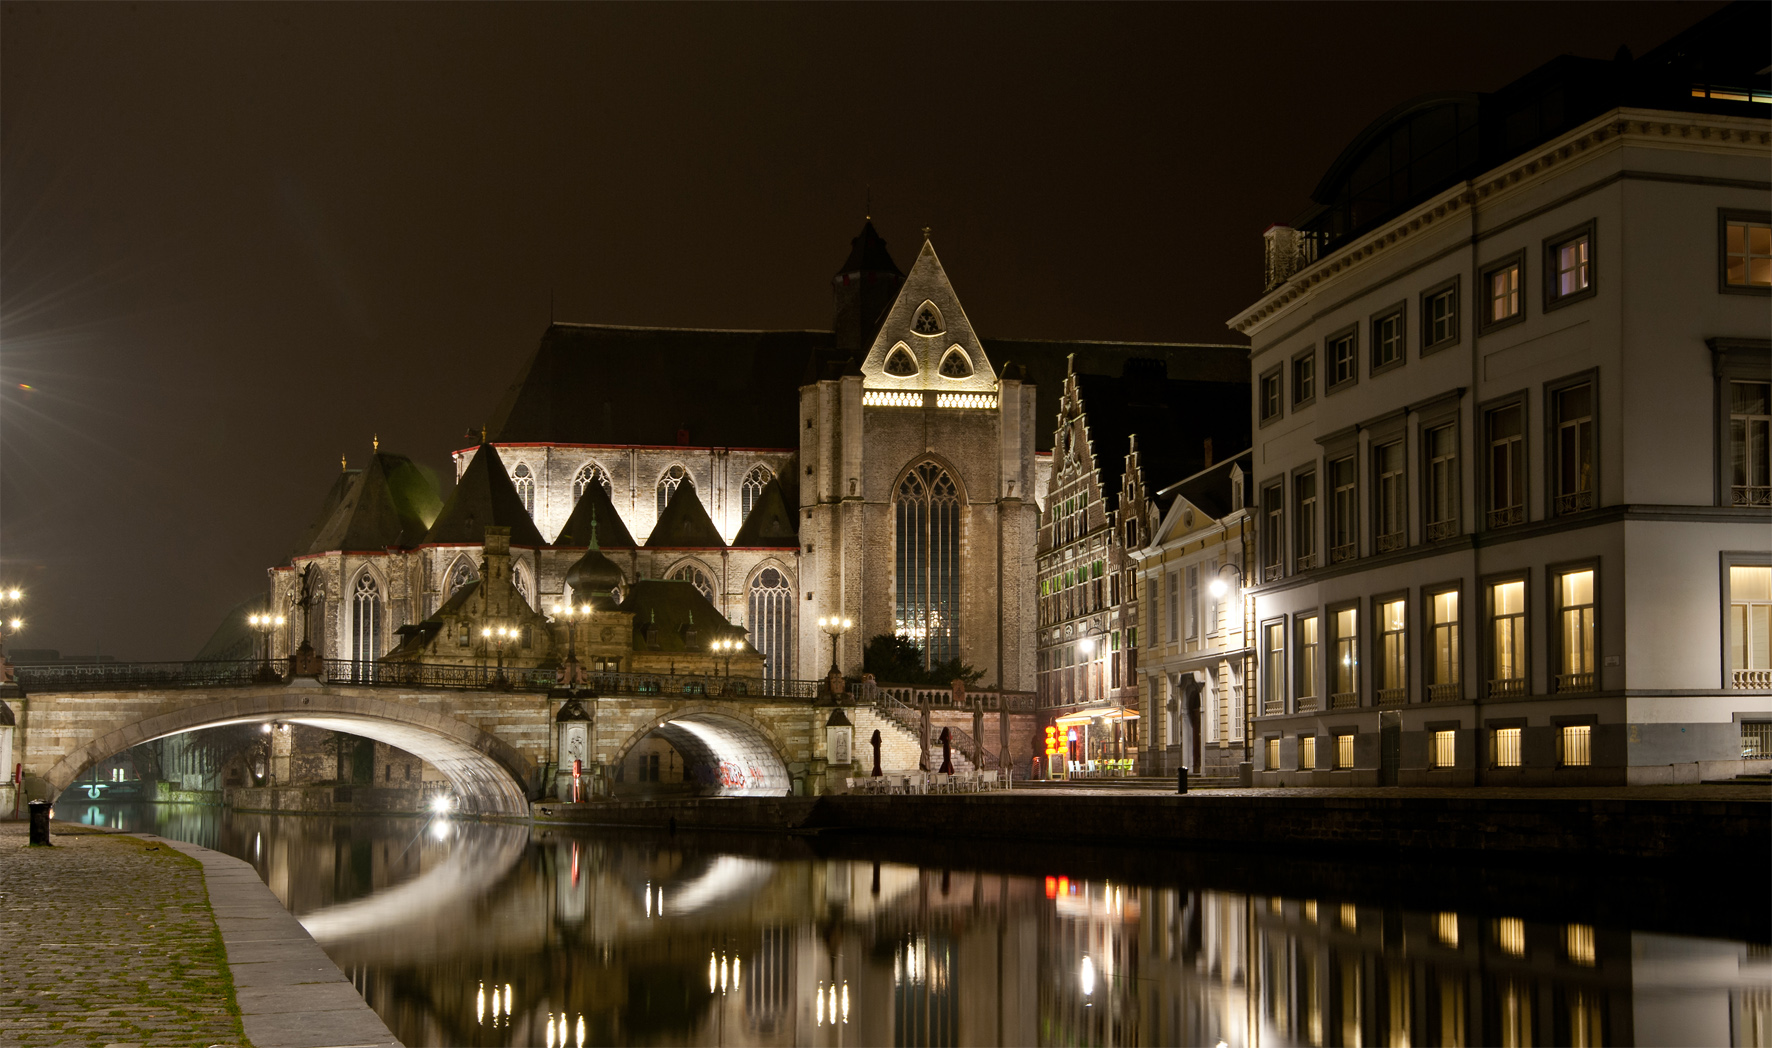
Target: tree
{"type": "Point", "coordinates": [895, 660]}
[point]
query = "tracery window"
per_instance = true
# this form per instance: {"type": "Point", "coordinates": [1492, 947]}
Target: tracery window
{"type": "Point", "coordinates": [588, 474]}
{"type": "Point", "coordinates": [900, 362]}
{"type": "Point", "coordinates": [754, 483]}
{"type": "Point", "coordinates": [771, 617]}
{"type": "Point", "coordinates": [366, 620]}
{"type": "Point", "coordinates": [928, 320]}
{"type": "Point", "coordinates": [520, 580]}
{"type": "Point", "coordinates": [524, 481]}
{"type": "Point", "coordinates": [927, 508]}
{"type": "Point", "coordinates": [956, 364]}
{"type": "Point", "coordinates": [673, 478]}
{"type": "Point", "coordinates": [459, 576]}
{"type": "Point", "coordinates": [695, 577]}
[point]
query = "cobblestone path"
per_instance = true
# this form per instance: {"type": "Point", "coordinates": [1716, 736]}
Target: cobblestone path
{"type": "Point", "coordinates": [109, 940]}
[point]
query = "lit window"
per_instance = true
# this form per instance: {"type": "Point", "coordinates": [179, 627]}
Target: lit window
{"type": "Point", "coordinates": [1387, 340]}
{"type": "Point", "coordinates": [1571, 267]}
{"type": "Point", "coordinates": [1510, 935]}
{"type": "Point", "coordinates": [1274, 675]}
{"type": "Point", "coordinates": [1574, 481]}
{"type": "Point", "coordinates": [1443, 684]}
{"type": "Point", "coordinates": [1391, 513]}
{"type": "Point", "coordinates": [589, 474]}
{"type": "Point", "coordinates": [1750, 423]}
{"type": "Point", "coordinates": [1503, 287]}
{"type": "Point", "coordinates": [754, 483]}
{"type": "Point", "coordinates": [1442, 482]}
{"type": "Point", "coordinates": [1273, 754]}
{"type": "Point", "coordinates": [1446, 929]}
{"type": "Point", "coordinates": [1393, 664]}
{"type": "Point", "coordinates": [673, 478]}
{"type": "Point", "coordinates": [1747, 253]}
{"type": "Point", "coordinates": [1445, 752]}
{"type": "Point", "coordinates": [771, 623]}
{"type": "Point", "coordinates": [1506, 742]}
{"type": "Point", "coordinates": [1307, 753]}
{"type": "Point", "coordinates": [1343, 365]}
{"type": "Point", "coordinates": [1304, 521]}
{"type": "Point", "coordinates": [1350, 917]}
{"type": "Point", "coordinates": [1505, 433]}
{"type": "Point", "coordinates": [1344, 672]}
{"type": "Point", "coordinates": [1507, 639]}
{"type": "Point", "coordinates": [1270, 396]}
{"type": "Point", "coordinates": [1575, 630]}
{"type": "Point", "coordinates": [1305, 673]}
{"type": "Point", "coordinates": [1344, 751]}
{"type": "Point", "coordinates": [927, 551]}
{"type": "Point", "coordinates": [1578, 943]}
{"type": "Point", "coordinates": [1750, 626]}
{"type": "Point", "coordinates": [524, 481]}
{"type": "Point", "coordinates": [1344, 510]}
{"type": "Point", "coordinates": [1439, 316]}
{"type": "Point", "coordinates": [1756, 740]}
{"type": "Point", "coordinates": [1574, 745]}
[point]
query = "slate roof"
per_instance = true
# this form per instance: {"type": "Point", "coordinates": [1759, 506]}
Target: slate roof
{"type": "Point", "coordinates": [484, 497]}
{"type": "Point", "coordinates": [771, 523]}
{"type": "Point", "coordinates": [679, 617]}
{"type": "Point", "coordinates": [389, 503]}
{"type": "Point", "coordinates": [1172, 417]}
{"type": "Point", "coordinates": [1210, 488]}
{"type": "Point", "coordinates": [599, 384]}
{"type": "Point", "coordinates": [611, 533]}
{"type": "Point", "coordinates": [684, 524]}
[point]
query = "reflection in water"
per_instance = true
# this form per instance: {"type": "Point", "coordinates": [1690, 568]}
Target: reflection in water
{"type": "Point", "coordinates": [484, 934]}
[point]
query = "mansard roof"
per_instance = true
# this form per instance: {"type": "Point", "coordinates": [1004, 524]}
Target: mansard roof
{"type": "Point", "coordinates": [867, 254]}
{"type": "Point", "coordinates": [771, 523]}
{"type": "Point", "coordinates": [604, 384]}
{"type": "Point", "coordinates": [673, 616]}
{"type": "Point", "coordinates": [389, 503]}
{"type": "Point", "coordinates": [484, 497]}
{"type": "Point", "coordinates": [684, 524]}
{"type": "Point", "coordinates": [611, 532]}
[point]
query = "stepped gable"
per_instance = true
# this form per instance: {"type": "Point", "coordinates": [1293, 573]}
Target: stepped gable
{"type": "Point", "coordinates": [594, 504]}
{"type": "Point", "coordinates": [684, 524]}
{"type": "Point", "coordinates": [605, 384]}
{"type": "Point", "coordinates": [674, 616]}
{"type": "Point", "coordinates": [483, 498]}
{"type": "Point", "coordinates": [771, 524]}
{"type": "Point", "coordinates": [1172, 418]}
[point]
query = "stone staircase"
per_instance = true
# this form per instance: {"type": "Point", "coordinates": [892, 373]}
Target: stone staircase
{"type": "Point", "coordinates": [910, 722]}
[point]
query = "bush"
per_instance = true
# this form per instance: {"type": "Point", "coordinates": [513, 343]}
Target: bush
{"type": "Point", "coordinates": [895, 660]}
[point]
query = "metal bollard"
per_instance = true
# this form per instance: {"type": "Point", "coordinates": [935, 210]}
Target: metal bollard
{"type": "Point", "coordinates": [1181, 780]}
{"type": "Point", "coordinates": [40, 823]}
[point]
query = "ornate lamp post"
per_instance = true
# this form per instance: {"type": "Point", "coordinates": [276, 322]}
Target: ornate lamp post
{"type": "Point", "coordinates": [1246, 773]}
{"type": "Point", "coordinates": [571, 673]}
{"type": "Point", "coordinates": [264, 624]}
{"type": "Point", "coordinates": [836, 626]}
{"type": "Point", "coordinates": [12, 597]}
{"type": "Point", "coordinates": [498, 635]}
{"type": "Point", "coordinates": [727, 646]}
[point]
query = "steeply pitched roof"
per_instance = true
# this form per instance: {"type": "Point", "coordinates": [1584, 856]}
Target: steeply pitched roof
{"type": "Point", "coordinates": [484, 497]}
{"type": "Point", "coordinates": [597, 384]}
{"type": "Point", "coordinates": [1173, 419]}
{"type": "Point", "coordinates": [389, 503]}
{"type": "Point", "coordinates": [770, 524]}
{"type": "Point", "coordinates": [595, 504]}
{"type": "Point", "coordinates": [684, 524]}
{"type": "Point", "coordinates": [867, 254]}
{"type": "Point", "coordinates": [233, 637]}
{"type": "Point", "coordinates": [1210, 488]}
{"type": "Point", "coordinates": [673, 616]}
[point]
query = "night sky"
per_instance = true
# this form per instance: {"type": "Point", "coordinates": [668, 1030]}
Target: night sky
{"type": "Point", "coordinates": [238, 239]}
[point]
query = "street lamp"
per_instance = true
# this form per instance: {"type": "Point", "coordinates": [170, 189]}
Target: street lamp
{"type": "Point", "coordinates": [12, 625]}
{"type": "Point", "coordinates": [499, 635]}
{"type": "Point", "coordinates": [727, 646]}
{"type": "Point", "coordinates": [836, 626]}
{"type": "Point", "coordinates": [264, 624]}
{"type": "Point", "coordinates": [1246, 773]}
{"type": "Point", "coordinates": [570, 612]}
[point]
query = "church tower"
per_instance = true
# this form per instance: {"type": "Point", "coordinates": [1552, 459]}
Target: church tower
{"type": "Point", "coordinates": [918, 495]}
{"type": "Point", "coordinates": [862, 290]}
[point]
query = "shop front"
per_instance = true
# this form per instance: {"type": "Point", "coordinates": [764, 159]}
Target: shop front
{"type": "Point", "coordinates": [1095, 742]}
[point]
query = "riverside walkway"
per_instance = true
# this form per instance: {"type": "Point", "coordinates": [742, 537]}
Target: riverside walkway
{"type": "Point", "coordinates": [125, 940]}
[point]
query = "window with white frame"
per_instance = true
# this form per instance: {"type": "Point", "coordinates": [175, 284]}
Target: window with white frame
{"type": "Point", "coordinates": [1575, 745]}
{"type": "Point", "coordinates": [1172, 606]}
{"type": "Point", "coordinates": [1507, 639]}
{"type": "Point", "coordinates": [1268, 399]}
{"type": "Point", "coordinates": [673, 478]}
{"type": "Point", "coordinates": [752, 488]}
{"type": "Point", "coordinates": [1441, 499]}
{"type": "Point", "coordinates": [1272, 753]}
{"type": "Point", "coordinates": [1387, 340]}
{"type": "Point", "coordinates": [1273, 560]}
{"type": "Point", "coordinates": [1391, 685]}
{"type": "Point", "coordinates": [1750, 425]}
{"type": "Point", "coordinates": [1344, 510]}
{"type": "Point", "coordinates": [1502, 293]}
{"type": "Point", "coordinates": [1750, 626]}
{"type": "Point", "coordinates": [1305, 671]}
{"type": "Point", "coordinates": [1343, 357]}
{"type": "Point", "coordinates": [1569, 267]}
{"type": "Point", "coordinates": [1747, 251]}
{"type": "Point", "coordinates": [1390, 512]}
{"type": "Point", "coordinates": [1344, 657]}
{"type": "Point", "coordinates": [588, 474]}
{"type": "Point", "coordinates": [1505, 431]}
{"type": "Point", "coordinates": [1304, 520]}
{"type": "Point", "coordinates": [1573, 479]}
{"type": "Point", "coordinates": [696, 577]}
{"type": "Point", "coordinates": [524, 481]}
{"type": "Point", "coordinates": [1575, 630]}
{"type": "Point", "coordinates": [1273, 676]}
{"type": "Point", "coordinates": [1307, 753]}
{"type": "Point", "coordinates": [1443, 647]}
{"type": "Point", "coordinates": [1304, 378]}
{"type": "Point", "coordinates": [1439, 316]}
{"type": "Point", "coordinates": [1191, 602]}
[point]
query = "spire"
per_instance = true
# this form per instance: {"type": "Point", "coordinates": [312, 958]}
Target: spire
{"type": "Point", "coordinates": [863, 289]}
{"type": "Point", "coordinates": [342, 468]}
{"type": "Point", "coordinates": [375, 442]}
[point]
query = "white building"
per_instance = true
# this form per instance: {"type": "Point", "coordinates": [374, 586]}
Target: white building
{"type": "Point", "coordinates": [1511, 389]}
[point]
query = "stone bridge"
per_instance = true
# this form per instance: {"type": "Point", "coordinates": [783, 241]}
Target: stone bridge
{"type": "Point", "coordinates": [502, 741]}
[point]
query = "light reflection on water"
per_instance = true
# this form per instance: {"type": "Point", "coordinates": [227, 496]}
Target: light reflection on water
{"type": "Point", "coordinates": [487, 934]}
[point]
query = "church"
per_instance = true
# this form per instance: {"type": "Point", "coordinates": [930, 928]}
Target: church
{"type": "Point", "coordinates": [891, 471]}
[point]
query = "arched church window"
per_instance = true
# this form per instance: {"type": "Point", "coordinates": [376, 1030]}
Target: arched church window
{"type": "Point", "coordinates": [928, 320]}
{"type": "Point", "coordinates": [524, 481]}
{"type": "Point", "coordinates": [366, 620]}
{"type": "Point", "coordinates": [927, 558]}
{"type": "Point", "coordinates": [754, 483]}
{"type": "Point", "coordinates": [668, 484]}
{"type": "Point", "coordinates": [695, 577]}
{"type": "Point", "coordinates": [956, 364]}
{"type": "Point", "coordinates": [589, 474]}
{"type": "Point", "coordinates": [771, 616]}
{"type": "Point", "coordinates": [459, 576]}
{"type": "Point", "coordinates": [900, 362]}
{"type": "Point", "coordinates": [520, 580]}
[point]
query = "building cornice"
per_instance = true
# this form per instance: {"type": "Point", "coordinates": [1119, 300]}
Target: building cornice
{"type": "Point", "coordinates": [1650, 127]}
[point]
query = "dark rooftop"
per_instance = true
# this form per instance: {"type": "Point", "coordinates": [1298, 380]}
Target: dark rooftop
{"type": "Point", "coordinates": [684, 524]}
{"type": "Point", "coordinates": [483, 498]}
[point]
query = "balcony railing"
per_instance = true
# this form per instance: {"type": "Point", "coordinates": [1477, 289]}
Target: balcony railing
{"type": "Point", "coordinates": [1306, 561]}
{"type": "Point", "coordinates": [1396, 540]}
{"type": "Point", "coordinates": [1507, 516]}
{"type": "Point", "coordinates": [1751, 678]}
{"type": "Point", "coordinates": [1392, 696]}
{"type": "Point", "coordinates": [1751, 495]}
{"type": "Point", "coordinates": [1507, 688]}
{"type": "Point", "coordinates": [1575, 502]}
{"type": "Point", "coordinates": [1271, 572]}
{"type": "Point", "coordinates": [1273, 706]}
{"type": "Point", "coordinates": [1441, 530]}
{"type": "Point", "coordinates": [913, 696]}
{"type": "Point", "coordinates": [1307, 704]}
{"type": "Point", "coordinates": [1337, 554]}
{"type": "Point", "coordinates": [1342, 700]}
{"type": "Point", "coordinates": [1575, 682]}
{"type": "Point", "coordinates": [1449, 691]}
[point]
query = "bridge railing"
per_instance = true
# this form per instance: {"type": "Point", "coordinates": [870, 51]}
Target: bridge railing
{"type": "Point", "coordinates": [913, 696]}
{"type": "Point", "coordinates": [99, 676]}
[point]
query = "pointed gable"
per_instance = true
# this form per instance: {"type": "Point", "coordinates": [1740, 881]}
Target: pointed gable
{"type": "Point", "coordinates": [684, 524]}
{"type": "Point", "coordinates": [770, 525]}
{"type": "Point", "coordinates": [390, 503]}
{"type": "Point", "coordinates": [594, 504]}
{"type": "Point", "coordinates": [484, 497]}
{"type": "Point", "coordinates": [927, 325]}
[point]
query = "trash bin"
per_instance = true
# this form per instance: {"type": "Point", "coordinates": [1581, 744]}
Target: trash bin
{"type": "Point", "coordinates": [1181, 780]}
{"type": "Point", "coordinates": [40, 822]}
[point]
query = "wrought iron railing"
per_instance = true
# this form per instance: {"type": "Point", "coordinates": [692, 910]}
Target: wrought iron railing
{"type": "Point", "coordinates": [1440, 530]}
{"type": "Point", "coordinates": [1575, 502]}
{"type": "Point", "coordinates": [1390, 542]}
{"type": "Point", "coordinates": [99, 676]}
{"type": "Point", "coordinates": [1306, 561]}
{"type": "Point", "coordinates": [1337, 554]}
{"type": "Point", "coordinates": [1751, 495]}
{"type": "Point", "coordinates": [1507, 516]}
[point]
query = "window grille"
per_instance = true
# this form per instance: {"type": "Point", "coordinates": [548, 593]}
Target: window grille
{"type": "Point", "coordinates": [588, 475]}
{"type": "Point", "coordinates": [673, 478]}
{"type": "Point", "coordinates": [1505, 743]}
{"type": "Point", "coordinates": [1307, 753]}
{"type": "Point", "coordinates": [754, 483]}
{"type": "Point", "coordinates": [1756, 739]}
{"type": "Point", "coordinates": [1445, 754]}
{"type": "Point", "coordinates": [771, 615]}
{"type": "Point", "coordinates": [1573, 745]}
{"type": "Point", "coordinates": [524, 481]}
{"type": "Point", "coordinates": [1344, 751]}
{"type": "Point", "coordinates": [927, 561]}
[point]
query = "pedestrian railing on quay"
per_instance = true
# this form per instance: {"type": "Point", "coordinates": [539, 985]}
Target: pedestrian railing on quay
{"type": "Point", "coordinates": [101, 676]}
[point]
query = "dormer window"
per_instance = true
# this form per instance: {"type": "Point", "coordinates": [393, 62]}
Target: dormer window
{"type": "Point", "coordinates": [928, 320]}
{"type": "Point", "coordinates": [956, 364]}
{"type": "Point", "coordinates": [900, 362]}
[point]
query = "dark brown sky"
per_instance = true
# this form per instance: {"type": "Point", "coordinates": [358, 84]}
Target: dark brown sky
{"type": "Point", "coordinates": [237, 239]}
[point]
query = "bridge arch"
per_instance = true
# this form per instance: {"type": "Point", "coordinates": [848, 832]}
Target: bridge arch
{"type": "Point", "coordinates": [489, 775]}
{"type": "Point", "coordinates": [742, 754]}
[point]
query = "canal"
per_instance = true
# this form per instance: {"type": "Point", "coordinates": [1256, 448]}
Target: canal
{"type": "Point", "coordinates": [467, 933]}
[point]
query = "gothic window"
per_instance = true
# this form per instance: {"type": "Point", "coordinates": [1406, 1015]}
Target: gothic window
{"type": "Point", "coordinates": [928, 320]}
{"type": "Point", "coordinates": [695, 577]}
{"type": "Point", "coordinates": [927, 507]}
{"type": "Point", "coordinates": [754, 483]}
{"type": "Point", "coordinates": [520, 580]}
{"type": "Point", "coordinates": [673, 478]}
{"type": "Point", "coordinates": [589, 474]}
{"type": "Point", "coordinates": [525, 484]}
{"type": "Point", "coordinates": [771, 617]}
{"type": "Point", "coordinates": [459, 576]}
{"type": "Point", "coordinates": [956, 364]}
{"type": "Point", "coordinates": [366, 620]}
{"type": "Point", "coordinates": [900, 362]}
